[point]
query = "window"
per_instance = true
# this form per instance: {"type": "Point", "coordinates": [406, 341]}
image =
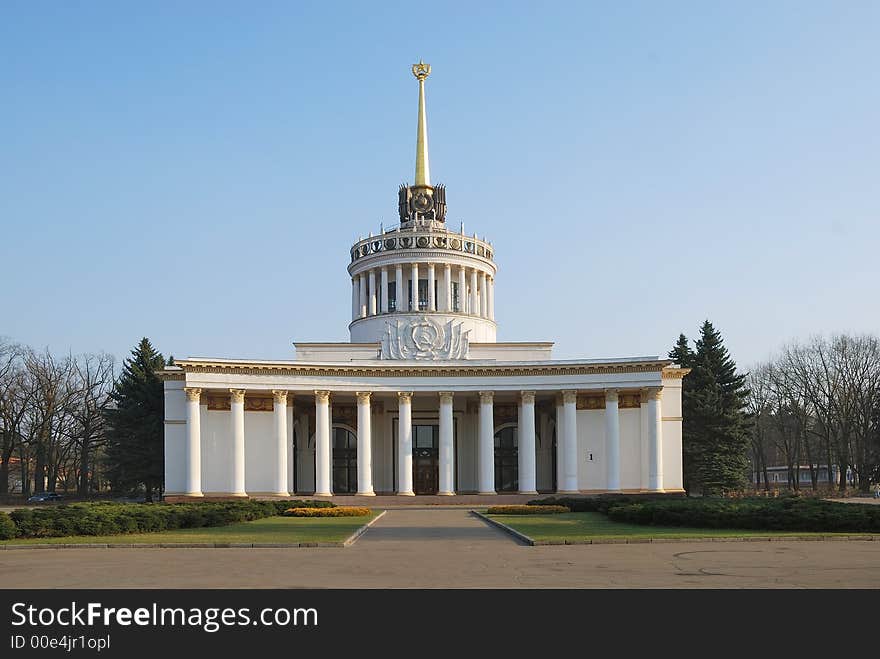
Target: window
{"type": "Point", "coordinates": [456, 299]}
{"type": "Point", "coordinates": [423, 294]}
{"type": "Point", "coordinates": [392, 296]}
{"type": "Point", "coordinates": [506, 460]}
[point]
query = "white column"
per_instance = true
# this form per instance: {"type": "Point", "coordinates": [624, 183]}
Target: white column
{"type": "Point", "coordinates": [655, 440]}
{"type": "Point", "coordinates": [447, 287]}
{"type": "Point", "coordinates": [237, 408]}
{"type": "Point", "coordinates": [322, 443]}
{"type": "Point", "coordinates": [364, 445]}
{"type": "Point", "coordinates": [362, 292]}
{"type": "Point", "coordinates": [193, 443]}
{"type": "Point", "coordinates": [526, 448]}
{"type": "Point", "coordinates": [355, 298]}
{"type": "Point", "coordinates": [372, 292]}
{"type": "Point", "coordinates": [560, 443]}
{"type": "Point", "coordinates": [570, 447]}
{"type": "Point", "coordinates": [462, 290]}
{"type": "Point", "coordinates": [404, 444]}
{"type": "Point", "coordinates": [447, 455]}
{"type": "Point", "coordinates": [487, 443]}
{"type": "Point", "coordinates": [432, 302]}
{"type": "Point", "coordinates": [414, 286]}
{"type": "Point", "coordinates": [484, 298]}
{"type": "Point", "coordinates": [490, 290]}
{"type": "Point", "coordinates": [612, 441]}
{"type": "Point", "coordinates": [280, 410]}
{"type": "Point", "coordinates": [400, 299]}
{"type": "Point", "coordinates": [643, 438]}
{"type": "Point", "coordinates": [474, 307]}
{"type": "Point", "coordinates": [383, 281]}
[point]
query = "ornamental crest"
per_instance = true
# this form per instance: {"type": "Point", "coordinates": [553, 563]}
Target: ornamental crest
{"type": "Point", "coordinates": [423, 338]}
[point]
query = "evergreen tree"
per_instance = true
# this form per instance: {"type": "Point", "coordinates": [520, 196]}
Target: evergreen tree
{"type": "Point", "coordinates": [135, 440]}
{"type": "Point", "coordinates": [715, 440]}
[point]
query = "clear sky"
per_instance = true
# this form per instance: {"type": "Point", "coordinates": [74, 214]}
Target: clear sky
{"type": "Point", "coordinates": [195, 172]}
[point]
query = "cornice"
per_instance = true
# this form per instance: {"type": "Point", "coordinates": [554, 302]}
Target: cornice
{"type": "Point", "coordinates": [421, 256]}
{"type": "Point", "coordinates": [675, 373]}
{"type": "Point", "coordinates": [420, 370]}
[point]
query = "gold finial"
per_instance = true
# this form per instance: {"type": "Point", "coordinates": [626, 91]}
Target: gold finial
{"type": "Point", "coordinates": [421, 70]}
{"type": "Point", "coordinates": [423, 170]}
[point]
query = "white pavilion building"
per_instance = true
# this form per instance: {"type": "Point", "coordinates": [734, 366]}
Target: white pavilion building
{"type": "Point", "coordinates": [423, 400]}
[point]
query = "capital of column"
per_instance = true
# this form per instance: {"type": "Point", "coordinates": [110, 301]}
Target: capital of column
{"type": "Point", "coordinates": [322, 396]}
{"type": "Point", "coordinates": [404, 396]}
{"type": "Point", "coordinates": [487, 396]}
{"type": "Point", "coordinates": [280, 396]}
{"type": "Point", "coordinates": [236, 395]}
{"type": "Point", "coordinates": [527, 397]}
{"type": "Point", "coordinates": [446, 397]}
{"type": "Point", "coordinates": [193, 393]}
{"type": "Point", "coordinates": [569, 396]}
{"type": "Point", "coordinates": [611, 395]}
{"type": "Point", "coordinates": [363, 397]}
{"type": "Point", "coordinates": [654, 393]}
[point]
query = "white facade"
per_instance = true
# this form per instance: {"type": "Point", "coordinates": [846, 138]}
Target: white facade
{"type": "Point", "coordinates": [423, 400]}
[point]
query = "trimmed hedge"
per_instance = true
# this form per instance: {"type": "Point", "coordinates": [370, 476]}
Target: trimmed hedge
{"type": "Point", "coordinates": [119, 518]}
{"type": "Point", "coordinates": [7, 527]}
{"type": "Point", "coordinates": [784, 514]}
{"type": "Point", "coordinates": [338, 511]}
{"type": "Point", "coordinates": [601, 503]}
{"type": "Point", "coordinates": [527, 510]}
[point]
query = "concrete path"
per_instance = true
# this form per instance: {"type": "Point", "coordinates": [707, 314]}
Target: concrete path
{"type": "Point", "coordinates": [413, 548]}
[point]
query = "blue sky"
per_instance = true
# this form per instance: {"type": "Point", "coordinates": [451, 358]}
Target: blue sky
{"type": "Point", "coordinates": [196, 172]}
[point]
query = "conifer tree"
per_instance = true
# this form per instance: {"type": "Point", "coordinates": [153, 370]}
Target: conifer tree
{"type": "Point", "coordinates": [715, 439]}
{"type": "Point", "coordinates": [135, 441]}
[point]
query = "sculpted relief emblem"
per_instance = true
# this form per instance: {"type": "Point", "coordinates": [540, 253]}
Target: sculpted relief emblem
{"type": "Point", "coordinates": [423, 338]}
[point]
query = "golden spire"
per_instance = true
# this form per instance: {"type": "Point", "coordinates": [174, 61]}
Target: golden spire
{"type": "Point", "coordinates": [423, 170]}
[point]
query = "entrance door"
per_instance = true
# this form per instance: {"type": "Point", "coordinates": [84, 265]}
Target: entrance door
{"type": "Point", "coordinates": [506, 460]}
{"type": "Point", "coordinates": [426, 459]}
{"type": "Point", "coordinates": [344, 461]}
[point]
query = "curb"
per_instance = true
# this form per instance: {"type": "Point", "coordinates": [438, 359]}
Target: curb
{"type": "Point", "coordinates": [504, 527]}
{"type": "Point", "coordinates": [198, 545]}
{"type": "Point", "coordinates": [357, 534]}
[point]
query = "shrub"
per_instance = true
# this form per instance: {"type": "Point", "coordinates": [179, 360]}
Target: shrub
{"type": "Point", "coordinates": [116, 518]}
{"type": "Point", "coordinates": [600, 503]}
{"type": "Point", "coordinates": [527, 510]}
{"type": "Point", "coordinates": [7, 527]}
{"type": "Point", "coordinates": [789, 513]}
{"type": "Point", "coordinates": [339, 511]}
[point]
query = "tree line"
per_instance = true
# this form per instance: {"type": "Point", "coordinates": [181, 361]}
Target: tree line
{"type": "Point", "coordinates": [71, 423]}
{"type": "Point", "coordinates": [815, 405]}
{"type": "Point", "coordinates": [818, 404]}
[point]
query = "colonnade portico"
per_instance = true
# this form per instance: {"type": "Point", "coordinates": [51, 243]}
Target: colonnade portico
{"type": "Point", "coordinates": [371, 293]}
{"type": "Point", "coordinates": [567, 467]}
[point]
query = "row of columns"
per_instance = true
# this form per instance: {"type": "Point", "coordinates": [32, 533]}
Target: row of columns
{"type": "Point", "coordinates": [566, 448]}
{"type": "Point", "coordinates": [194, 451]}
{"type": "Point", "coordinates": [478, 299]}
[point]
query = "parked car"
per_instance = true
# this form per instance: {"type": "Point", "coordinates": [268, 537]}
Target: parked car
{"type": "Point", "coordinates": [44, 497]}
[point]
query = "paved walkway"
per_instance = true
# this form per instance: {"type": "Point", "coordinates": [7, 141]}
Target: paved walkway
{"type": "Point", "coordinates": [425, 548]}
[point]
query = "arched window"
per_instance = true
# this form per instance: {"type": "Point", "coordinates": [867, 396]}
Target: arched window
{"type": "Point", "coordinates": [344, 461]}
{"type": "Point", "coordinates": [506, 460]}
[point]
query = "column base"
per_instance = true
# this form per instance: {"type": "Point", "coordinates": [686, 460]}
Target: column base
{"type": "Point", "coordinates": [406, 494]}
{"type": "Point", "coordinates": [486, 494]}
{"type": "Point", "coordinates": [283, 495]}
{"type": "Point", "coordinates": [193, 495]}
{"type": "Point", "coordinates": [528, 492]}
{"type": "Point", "coordinates": [366, 494]}
{"type": "Point", "coordinates": [568, 491]}
{"type": "Point", "coordinates": [445, 494]}
{"type": "Point", "coordinates": [323, 494]}
{"type": "Point", "coordinates": [243, 495]}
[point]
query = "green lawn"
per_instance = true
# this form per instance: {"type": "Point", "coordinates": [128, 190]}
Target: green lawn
{"type": "Point", "coordinates": [283, 530]}
{"type": "Point", "coordinates": [586, 526]}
